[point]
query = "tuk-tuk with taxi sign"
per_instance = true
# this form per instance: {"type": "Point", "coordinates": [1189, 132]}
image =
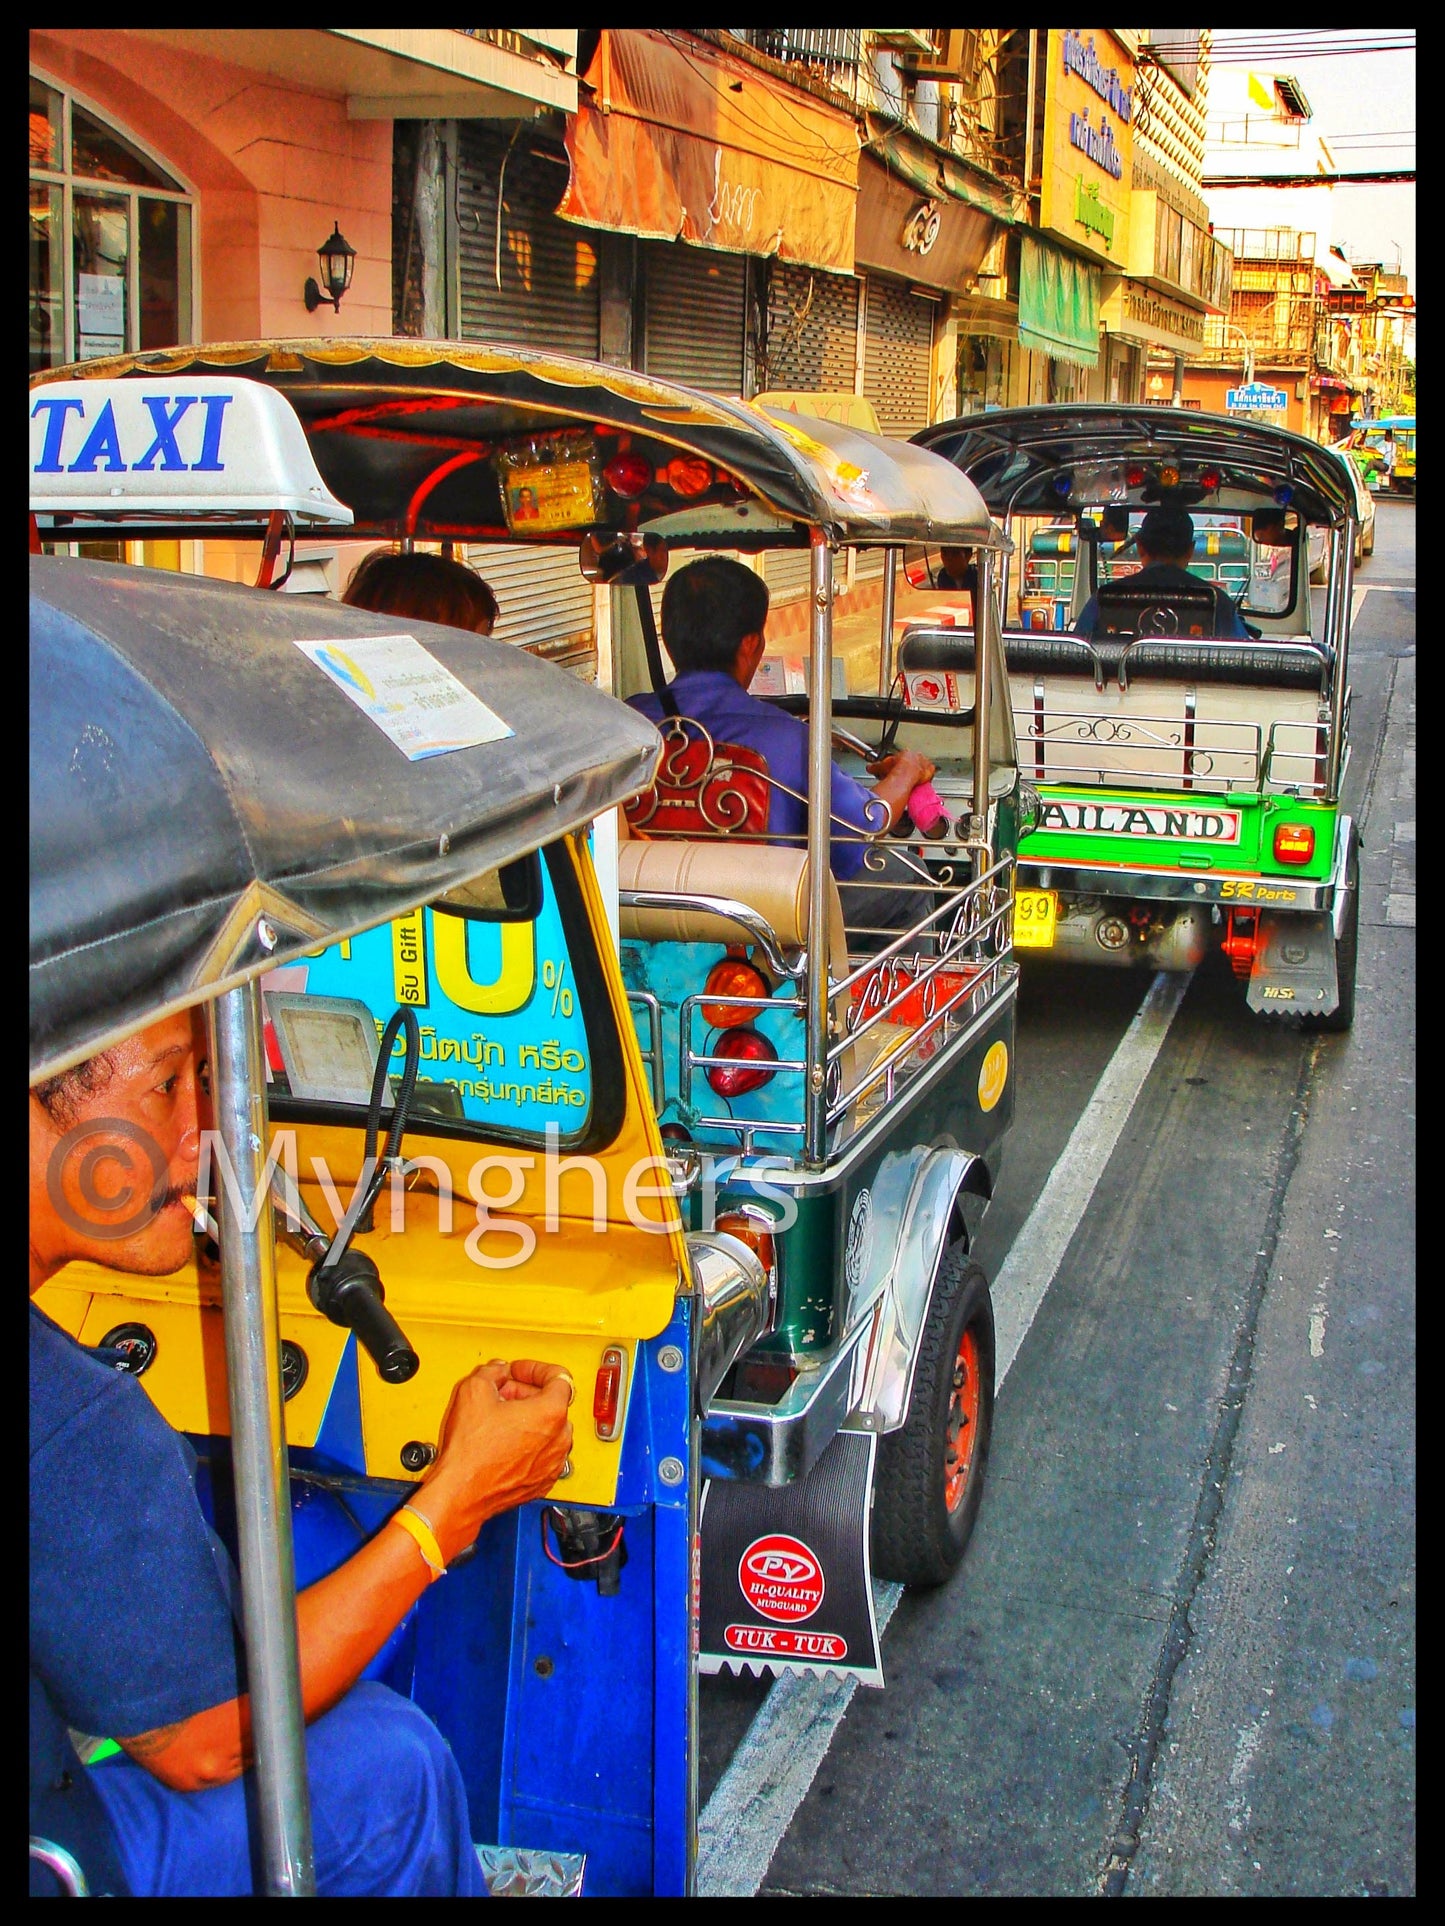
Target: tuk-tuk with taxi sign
{"type": "Point", "coordinates": [832, 1091]}
{"type": "Point", "coordinates": [1188, 785]}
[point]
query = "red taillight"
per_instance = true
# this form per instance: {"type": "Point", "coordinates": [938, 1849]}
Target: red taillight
{"type": "Point", "coordinates": [607, 1393]}
{"type": "Point", "coordinates": [1134, 474]}
{"type": "Point", "coordinates": [732, 977]}
{"type": "Point", "coordinates": [628, 475]}
{"type": "Point", "coordinates": [1293, 842]}
{"type": "Point", "coordinates": [1209, 480]}
{"type": "Point", "coordinates": [751, 1051]}
{"type": "Point", "coordinates": [687, 476]}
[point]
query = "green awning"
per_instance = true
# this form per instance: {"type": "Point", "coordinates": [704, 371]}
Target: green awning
{"type": "Point", "coordinates": [1058, 303]}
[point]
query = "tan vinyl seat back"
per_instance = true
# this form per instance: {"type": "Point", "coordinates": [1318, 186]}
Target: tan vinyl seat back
{"type": "Point", "coordinates": [771, 881]}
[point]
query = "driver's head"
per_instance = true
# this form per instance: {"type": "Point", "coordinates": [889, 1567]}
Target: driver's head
{"type": "Point", "coordinates": [1167, 535]}
{"type": "Point", "coordinates": [708, 609]}
{"type": "Point", "coordinates": [114, 1153]}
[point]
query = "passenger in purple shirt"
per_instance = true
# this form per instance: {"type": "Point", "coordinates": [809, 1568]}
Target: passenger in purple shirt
{"type": "Point", "coordinates": [714, 613]}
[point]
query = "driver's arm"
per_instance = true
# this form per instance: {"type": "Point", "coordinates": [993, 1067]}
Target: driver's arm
{"type": "Point", "coordinates": [899, 775]}
{"type": "Point", "coordinates": [504, 1441]}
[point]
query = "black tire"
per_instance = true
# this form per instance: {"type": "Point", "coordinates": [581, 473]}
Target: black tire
{"type": "Point", "coordinates": [918, 1538]}
{"type": "Point", "coordinates": [1347, 948]}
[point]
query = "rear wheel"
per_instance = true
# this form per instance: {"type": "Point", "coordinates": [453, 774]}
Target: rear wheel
{"type": "Point", "coordinates": [929, 1480]}
{"type": "Point", "coordinates": [1347, 946]}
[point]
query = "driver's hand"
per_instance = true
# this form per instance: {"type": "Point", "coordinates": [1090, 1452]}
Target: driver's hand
{"type": "Point", "coordinates": [504, 1440]}
{"type": "Point", "coordinates": [907, 764]}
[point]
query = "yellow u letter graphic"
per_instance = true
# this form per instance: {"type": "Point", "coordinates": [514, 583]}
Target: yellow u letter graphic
{"type": "Point", "coordinates": [513, 983]}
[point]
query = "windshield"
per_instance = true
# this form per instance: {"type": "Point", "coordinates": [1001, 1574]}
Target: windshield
{"type": "Point", "coordinates": [516, 1034]}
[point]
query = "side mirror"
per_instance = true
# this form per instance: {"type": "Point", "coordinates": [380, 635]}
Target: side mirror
{"type": "Point", "coordinates": [614, 559]}
{"type": "Point", "coordinates": [511, 894]}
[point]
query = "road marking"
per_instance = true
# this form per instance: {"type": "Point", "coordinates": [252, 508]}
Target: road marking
{"type": "Point", "coordinates": [1038, 1250]}
{"type": "Point", "coordinates": [768, 1777]}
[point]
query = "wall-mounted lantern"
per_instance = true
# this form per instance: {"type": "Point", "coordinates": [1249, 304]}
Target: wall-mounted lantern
{"type": "Point", "coordinates": [338, 260]}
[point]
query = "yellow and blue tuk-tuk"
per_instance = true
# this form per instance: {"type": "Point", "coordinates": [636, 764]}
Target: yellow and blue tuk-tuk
{"type": "Point", "coordinates": [763, 1123]}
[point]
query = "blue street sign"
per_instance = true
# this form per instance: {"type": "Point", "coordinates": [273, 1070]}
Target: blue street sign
{"type": "Point", "coordinates": [1256, 395]}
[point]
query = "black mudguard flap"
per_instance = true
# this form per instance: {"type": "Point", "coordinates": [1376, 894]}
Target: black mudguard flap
{"type": "Point", "coordinates": [1294, 966]}
{"type": "Point", "coordinates": [786, 1580]}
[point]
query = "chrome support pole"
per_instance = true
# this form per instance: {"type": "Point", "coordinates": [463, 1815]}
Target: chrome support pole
{"type": "Point", "coordinates": [885, 642]}
{"type": "Point", "coordinates": [258, 1445]}
{"type": "Point", "coordinates": [984, 629]}
{"type": "Point", "coordinates": [1338, 599]}
{"type": "Point", "coordinates": [820, 800]}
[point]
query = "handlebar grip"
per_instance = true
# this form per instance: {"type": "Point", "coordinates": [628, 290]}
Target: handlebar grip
{"type": "Point", "coordinates": [350, 1293]}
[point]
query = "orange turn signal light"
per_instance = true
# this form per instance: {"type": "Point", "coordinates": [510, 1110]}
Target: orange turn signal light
{"type": "Point", "coordinates": [1294, 842]}
{"type": "Point", "coordinates": [687, 475]}
{"type": "Point", "coordinates": [733, 977]}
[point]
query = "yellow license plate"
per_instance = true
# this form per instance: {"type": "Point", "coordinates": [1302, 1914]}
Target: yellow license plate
{"type": "Point", "coordinates": [1036, 913]}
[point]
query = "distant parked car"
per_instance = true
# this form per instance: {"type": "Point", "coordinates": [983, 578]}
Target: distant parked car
{"type": "Point", "coordinates": [1364, 532]}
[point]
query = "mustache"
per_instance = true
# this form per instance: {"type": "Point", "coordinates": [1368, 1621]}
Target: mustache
{"type": "Point", "coordinates": [163, 1195]}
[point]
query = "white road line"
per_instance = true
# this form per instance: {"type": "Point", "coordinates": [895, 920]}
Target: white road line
{"type": "Point", "coordinates": [768, 1778]}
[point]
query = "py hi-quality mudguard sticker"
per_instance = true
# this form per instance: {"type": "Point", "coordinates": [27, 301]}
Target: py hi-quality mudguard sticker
{"type": "Point", "coordinates": [786, 1580]}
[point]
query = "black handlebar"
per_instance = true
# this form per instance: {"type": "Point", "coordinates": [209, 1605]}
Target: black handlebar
{"type": "Point", "coordinates": [350, 1293]}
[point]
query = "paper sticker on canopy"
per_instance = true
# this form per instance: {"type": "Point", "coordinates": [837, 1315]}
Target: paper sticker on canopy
{"type": "Point", "coordinates": [206, 803]}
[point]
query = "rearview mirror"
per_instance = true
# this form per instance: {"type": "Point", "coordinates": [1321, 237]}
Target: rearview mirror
{"type": "Point", "coordinates": [607, 559]}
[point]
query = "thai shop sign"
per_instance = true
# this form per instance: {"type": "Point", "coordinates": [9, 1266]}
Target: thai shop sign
{"type": "Point", "coordinates": [1136, 313]}
{"type": "Point", "coordinates": [1088, 159]}
{"type": "Point", "coordinates": [1257, 398]}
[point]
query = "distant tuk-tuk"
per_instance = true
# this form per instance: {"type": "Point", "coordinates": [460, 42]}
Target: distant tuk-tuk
{"type": "Point", "coordinates": [1384, 451]}
{"type": "Point", "coordinates": [784, 1111]}
{"type": "Point", "coordinates": [1188, 787]}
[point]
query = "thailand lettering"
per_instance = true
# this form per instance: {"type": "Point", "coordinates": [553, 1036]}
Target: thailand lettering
{"type": "Point", "coordinates": [98, 446]}
{"type": "Point", "coordinates": [1140, 819]}
{"type": "Point", "coordinates": [1080, 58]}
{"type": "Point", "coordinates": [1096, 142]}
{"type": "Point", "coordinates": [1155, 313]}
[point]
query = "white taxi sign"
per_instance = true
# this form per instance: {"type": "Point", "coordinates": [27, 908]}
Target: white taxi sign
{"type": "Point", "coordinates": [173, 446]}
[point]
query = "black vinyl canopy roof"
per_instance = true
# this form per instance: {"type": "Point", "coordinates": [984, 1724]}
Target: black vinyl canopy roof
{"type": "Point", "coordinates": [206, 802]}
{"type": "Point", "coordinates": [1019, 457]}
{"type": "Point", "coordinates": [408, 434]}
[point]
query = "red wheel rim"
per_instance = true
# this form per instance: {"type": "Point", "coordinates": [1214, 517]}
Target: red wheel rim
{"type": "Point", "coordinates": [961, 1438]}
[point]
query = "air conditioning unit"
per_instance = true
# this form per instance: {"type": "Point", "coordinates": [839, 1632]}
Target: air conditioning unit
{"type": "Point", "coordinates": [952, 54]}
{"type": "Point", "coordinates": [916, 40]}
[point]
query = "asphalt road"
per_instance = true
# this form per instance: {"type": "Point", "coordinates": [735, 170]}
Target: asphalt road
{"type": "Point", "coordinates": [1179, 1657]}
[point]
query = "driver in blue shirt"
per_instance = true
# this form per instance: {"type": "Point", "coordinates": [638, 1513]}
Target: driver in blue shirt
{"type": "Point", "coordinates": [133, 1626]}
{"type": "Point", "coordinates": [1166, 543]}
{"type": "Point", "coordinates": [714, 614]}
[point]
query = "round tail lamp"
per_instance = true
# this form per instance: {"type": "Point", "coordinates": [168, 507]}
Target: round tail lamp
{"type": "Point", "coordinates": [1134, 475]}
{"type": "Point", "coordinates": [750, 1056]}
{"type": "Point", "coordinates": [732, 977]}
{"type": "Point", "coordinates": [628, 476]}
{"type": "Point", "coordinates": [687, 475]}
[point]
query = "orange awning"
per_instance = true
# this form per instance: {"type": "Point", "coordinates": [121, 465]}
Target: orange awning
{"type": "Point", "coordinates": [682, 142]}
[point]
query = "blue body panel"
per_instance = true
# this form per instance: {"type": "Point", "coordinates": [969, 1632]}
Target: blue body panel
{"type": "Point", "coordinates": [569, 1713]}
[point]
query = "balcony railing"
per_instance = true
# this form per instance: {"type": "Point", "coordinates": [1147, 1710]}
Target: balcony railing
{"type": "Point", "coordinates": [830, 54]}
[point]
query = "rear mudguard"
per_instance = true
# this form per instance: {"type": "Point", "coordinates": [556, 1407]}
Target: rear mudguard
{"type": "Point", "coordinates": [933, 1218]}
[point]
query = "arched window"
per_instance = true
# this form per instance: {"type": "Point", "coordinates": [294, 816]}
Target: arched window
{"type": "Point", "coordinates": [111, 239]}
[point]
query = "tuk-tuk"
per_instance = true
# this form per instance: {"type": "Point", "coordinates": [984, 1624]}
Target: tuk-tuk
{"type": "Point", "coordinates": [798, 1370]}
{"type": "Point", "coordinates": [1188, 787]}
{"type": "Point", "coordinates": [1369, 448]}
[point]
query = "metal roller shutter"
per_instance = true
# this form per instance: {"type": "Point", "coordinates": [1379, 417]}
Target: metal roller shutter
{"type": "Point", "coordinates": [787, 572]}
{"type": "Point", "coordinates": [897, 356]}
{"type": "Point", "coordinates": [548, 299]}
{"type": "Point", "coordinates": [812, 341]}
{"type": "Point", "coordinates": [549, 293]}
{"type": "Point", "coordinates": [695, 299]}
{"type": "Point", "coordinates": [544, 599]}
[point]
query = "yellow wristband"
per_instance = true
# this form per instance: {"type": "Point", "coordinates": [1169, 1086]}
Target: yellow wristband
{"type": "Point", "coordinates": [417, 1528]}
